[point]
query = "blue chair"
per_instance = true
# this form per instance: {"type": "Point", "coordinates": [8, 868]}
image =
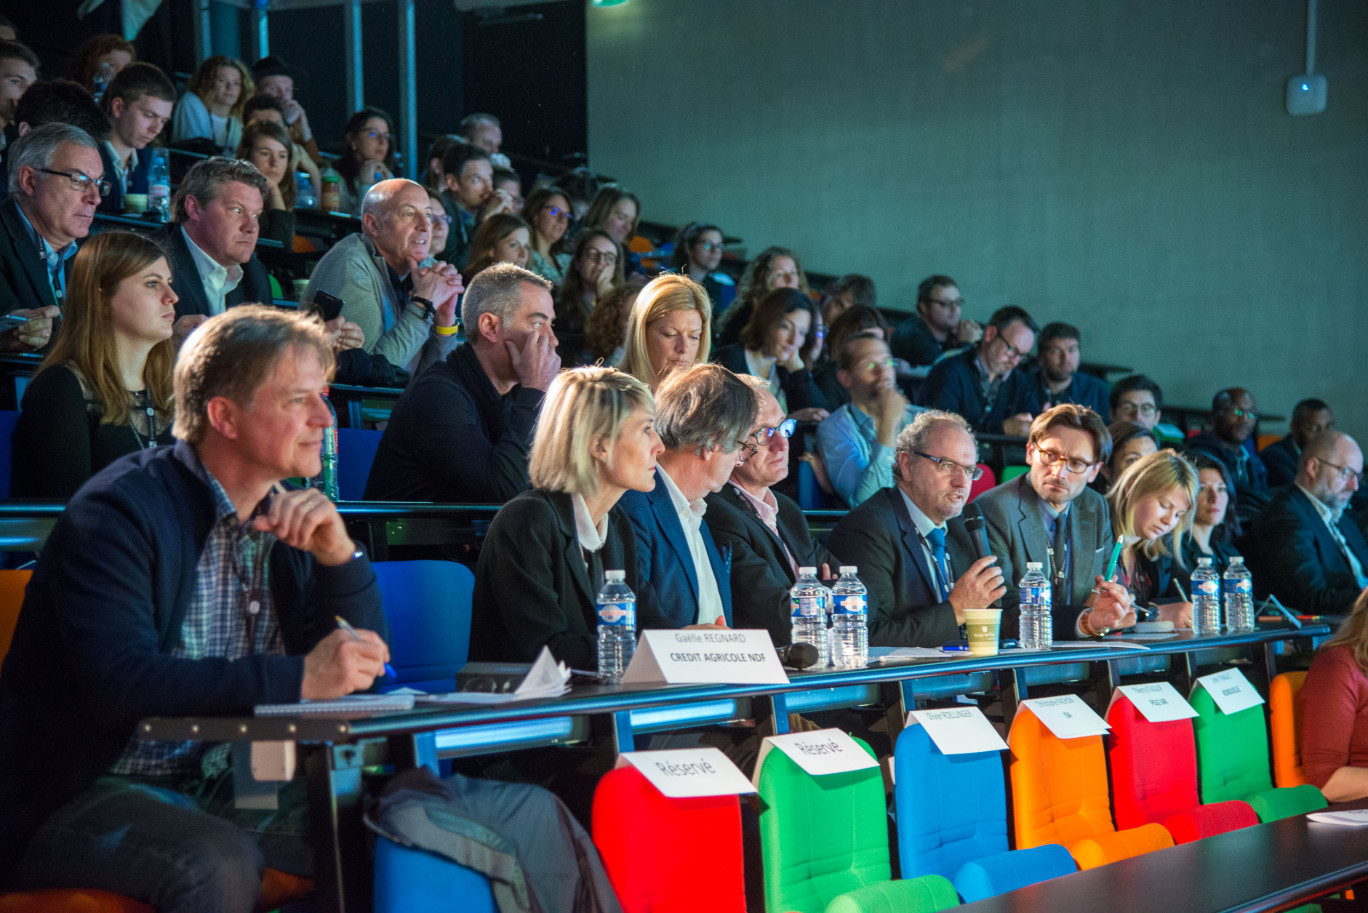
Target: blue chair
{"type": "Point", "coordinates": [8, 420]}
{"type": "Point", "coordinates": [427, 604]}
{"type": "Point", "coordinates": [355, 452]}
{"type": "Point", "coordinates": [408, 879]}
{"type": "Point", "coordinates": [952, 821]}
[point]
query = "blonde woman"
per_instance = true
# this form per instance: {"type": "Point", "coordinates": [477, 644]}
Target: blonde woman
{"type": "Point", "coordinates": [212, 104]}
{"type": "Point", "coordinates": [669, 329]}
{"type": "Point", "coordinates": [1153, 504]}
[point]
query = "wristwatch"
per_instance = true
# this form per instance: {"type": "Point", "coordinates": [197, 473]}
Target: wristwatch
{"type": "Point", "coordinates": [428, 306]}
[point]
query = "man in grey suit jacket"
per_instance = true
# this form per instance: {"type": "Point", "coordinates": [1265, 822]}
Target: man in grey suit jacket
{"type": "Point", "coordinates": [1050, 515]}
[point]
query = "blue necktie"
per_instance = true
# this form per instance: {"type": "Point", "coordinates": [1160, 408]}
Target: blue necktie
{"type": "Point", "coordinates": [937, 539]}
{"type": "Point", "coordinates": [53, 261]}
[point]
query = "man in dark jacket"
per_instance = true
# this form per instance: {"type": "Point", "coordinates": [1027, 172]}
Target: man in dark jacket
{"type": "Point", "coordinates": [982, 383]}
{"type": "Point", "coordinates": [462, 430]}
{"type": "Point", "coordinates": [182, 581]}
{"type": "Point", "coordinates": [1234, 416]}
{"type": "Point", "coordinates": [1310, 417]}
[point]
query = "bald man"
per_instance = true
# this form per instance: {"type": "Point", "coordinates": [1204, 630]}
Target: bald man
{"type": "Point", "coordinates": [1304, 549]}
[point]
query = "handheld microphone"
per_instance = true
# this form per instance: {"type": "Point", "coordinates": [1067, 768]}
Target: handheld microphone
{"type": "Point", "coordinates": [978, 530]}
{"type": "Point", "coordinates": [798, 656]}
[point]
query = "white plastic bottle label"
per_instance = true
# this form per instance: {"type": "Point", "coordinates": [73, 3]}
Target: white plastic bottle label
{"type": "Point", "coordinates": [851, 604]}
{"type": "Point", "coordinates": [1035, 595]}
{"type": "Point", "coordinates": [1209, 587]}
{"type": "Point", "coordinates": [807, 606]}
{"type": "Point", "coordinates": [615, 613]}
{"type": "Point", "coordinates": [1241, 585]}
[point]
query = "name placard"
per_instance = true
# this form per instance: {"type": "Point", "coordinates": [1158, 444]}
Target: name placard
{"type": "Point", "coordinates": [1158, 702]}
{"type": "Point", "coordinates": [1231, 691]}
{"type": "Point", "coordinates": [820, 752]}
{"type": "Point", "coordinates": [721, 657]}
{"type": "Point", "coordinates": [689, 773]}
{"type": "Point", "coordinates": [959, 730]}
{"type": "Point", "coordinates": [1066, 716]}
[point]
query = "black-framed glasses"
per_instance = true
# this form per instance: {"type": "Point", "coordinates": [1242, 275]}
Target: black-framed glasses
{"type": "Point", "coordinates": [1073, 464]}
{"type": "Point", "coordinates": [1251, 414]}
{"type": "Point", "coordinates": [79, 181]}
{"type": "Point", "coordinates": [784, 429]}
{"type": "Point", "coordinates": [957, 303]}
{"type": "Point", "coordinates": [1012, 351]}
{"type": "Point", "coordinates": [748, 450]}
{"type": "Point", "coordinates": [600, 256]}
{"type": "Point", "coordinates": [950, 467]}
{"type": "Point", "coordinates": [1345, 472]}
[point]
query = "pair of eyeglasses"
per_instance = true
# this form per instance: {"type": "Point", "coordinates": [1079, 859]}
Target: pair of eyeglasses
{"type": "Point", "coordinates": [79, 181]}
{"type": "Point", "coordinates": [1251, 414]}
{"type": "Point", "coordinates": [1131, 409]}
{"type": "Point", "coordinates": [1073, 464]}
{"type": "Point", "coordinates": [558, 213]}
{"type": "Point", "coordinates": [952, 305]}
{"type": "Point", "coordinates": [600, 256]}
{"type": "Point", "coordinates": [710, 246]}
{"type": "Point", "coordinates": [1345, 472]}
{"type": "Point", "coordinates": [440, 217]}
{"type": "Point", "coordinates": [875, 364]}
{"type": "Point", "coordinates": [1012, 351]}
{"type": "Point", "coordinates": [387, 137]}
{"type": "Point", "coordinates": [950, 467]}
{"type": "Point", "coordinates": [784, 429]}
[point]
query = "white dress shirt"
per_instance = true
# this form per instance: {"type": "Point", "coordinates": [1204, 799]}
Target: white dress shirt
{"type": "Point", "coordinates": [691, 519]}
{"type": "Point", "coordinates": [217, 279]}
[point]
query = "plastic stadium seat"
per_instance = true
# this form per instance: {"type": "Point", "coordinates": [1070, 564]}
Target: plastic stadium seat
{"type": "Point", "coordinates": [1284, 720]}
{"type": "Point", "coordinates": [1059, 795]}
{"type": "Point", "coordinates": [654, 847]}
{"type": "Point", "coordinates": [277, 889]}
{"type": "Point", "coordinates": [986, 481]}
{"type": "Point", "coordinates": [952, 821]}
{"type": "Point", "coordinates": [8, 419]}
{"type": "Point", "coordinates": [1267, 439]}
{"type": "Point", "coordinates": [1011, 472]}
{"type": "Point", "coordinates": [1232, 762]}
{"type": "Point", "coordinates": [1154, 778]}
{"type": "Point", "coordinates": [410, 880]}
{"type": "Point", "coordinates": [926, 894]}
{"type": "Point", "coordinates": [355, 452]}
{"type": "Point", "coordinates": [12, 584]}
{"type": "Point", "coordinates": [427, 604]}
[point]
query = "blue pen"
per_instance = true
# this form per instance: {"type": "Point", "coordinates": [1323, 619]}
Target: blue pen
{"type": "Point", "coordinates": [346, 626]}
{"type": "Point", "coordinates": [955, 648]}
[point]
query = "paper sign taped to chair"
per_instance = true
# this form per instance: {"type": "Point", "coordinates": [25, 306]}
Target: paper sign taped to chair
{"type": "Point", "coordinates": [820, 752]}
{"type": "Point", "coordinates": [689, 773]}
{"type": "Point", "coordinates": [959, 730]}
{"type": "Point", "coordinates": [1231, 691]}
{"type": "Point", "coordinates": [721, 657]}
{"type": "Point", "coordinates": [1158, 702]}
{"type": "Point", "coordinates": [1066, 716]}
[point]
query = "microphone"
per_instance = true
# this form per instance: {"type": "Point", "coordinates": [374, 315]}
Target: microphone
{"type": "Point", "coordinates": [798, 656]}
{"type": "Point", "coordinates": [978, 530]}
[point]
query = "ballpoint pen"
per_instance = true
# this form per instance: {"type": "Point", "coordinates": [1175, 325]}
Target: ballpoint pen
{"type": "Point", "coordinates": [346, 626]}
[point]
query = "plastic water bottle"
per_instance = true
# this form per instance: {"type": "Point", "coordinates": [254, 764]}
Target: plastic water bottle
{"type": "Point", "coordinates": [1206, 598]}
{"type": "Point", "coordinates": [101, 80]}
{"type": "Point", "coordinates": [616, 626]}
{"type": "Point", "coordinates": [850, 621]}
{"type": "Point", "coordinates": [332, 190]}
{"type": "Point", "coordinates": [159, 186]}
{"type": "Point", "coordinates": [304, 192]}
{"type": "Point", "coordinates": [1238, 584]}
{"type": "Point", "coordinates": [1037, 624]}
{"type": "Point", "coordinates": [808, 609]}
{"type": "Point", "coordinates": [326, 480]}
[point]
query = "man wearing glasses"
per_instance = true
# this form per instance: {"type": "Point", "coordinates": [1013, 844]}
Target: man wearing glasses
{"type": "Point", "coordinates": [937, 327]}
{"type": "Point", "coordinates": [703, 416]}
{"type": "Point", "coordinates": [1050, 515]}
{"type": "Point", "coordinates": [856, 441]}
{"type": "Point", "coordinates": [1303, 547]}
{"type": "Point", "coordinates": [766, 531]}
{"type": "Point", "coordinates": [1234, 416]}
{"type": "Point", "coordinates": [920, 582]}
{"type": "Point", "coordinates": [981, 384]}
{"type": "Point", "coordinates": [57, 181]}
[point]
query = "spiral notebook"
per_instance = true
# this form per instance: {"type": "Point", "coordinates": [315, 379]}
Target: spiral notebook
{"type": "Point", "coordinates": [352, 703]}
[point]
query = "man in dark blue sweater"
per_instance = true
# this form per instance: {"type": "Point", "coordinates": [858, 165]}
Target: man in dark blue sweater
{"type": "Point", "coordinates": [982, 383]}
{"type": "Point", "coordinates": [183, 581]}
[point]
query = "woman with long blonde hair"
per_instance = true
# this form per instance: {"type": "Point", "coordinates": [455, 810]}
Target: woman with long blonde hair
{"type": "Point", "coordinates": [1152, 505]}
{"type": "Point", "coordinates": [669, 329]}
{"type": "Point", "coordinates": [104, 389]}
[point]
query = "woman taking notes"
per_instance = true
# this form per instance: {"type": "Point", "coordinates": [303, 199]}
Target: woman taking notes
{"type": "Point", "coordinates": [543, 558]}
{"type": "Point", "coordinates": [1152, 505]}
{"type": "Point", "coordinates": [668, 329]}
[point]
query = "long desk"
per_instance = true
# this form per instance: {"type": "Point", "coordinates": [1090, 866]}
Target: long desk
{"type": "Point", "coordinates": [337, 749]}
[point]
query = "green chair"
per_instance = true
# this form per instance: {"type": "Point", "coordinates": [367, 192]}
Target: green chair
{"type": "Point", "coordinates": [824, 844]}
{"type": "Point", "coordinates": [1232, 762]}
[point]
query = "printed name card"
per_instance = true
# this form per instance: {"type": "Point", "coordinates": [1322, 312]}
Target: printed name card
{"type": "Point", "coordinates": [689, 773]}
{"type": "Point", "coordinates": [1158, 702]}
{"type": "Point", "coordinates": [820, 752]}
{"type": "Point", "coordinates": [1231, 691]}
{"type": "Point", "coordinates": [721, 657]}
{"type": "Point", "coordinates": [959, 730]}
{"type": "Point", "coordinates": [1066, 716]}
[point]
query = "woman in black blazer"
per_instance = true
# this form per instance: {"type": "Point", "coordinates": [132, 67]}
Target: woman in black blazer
{"type": "Point", "coordinates": [543, 559]}
{"type": "Point", "coordinates": [778, 345]}
{"type": "Point", "coordinates": [1152, 506]}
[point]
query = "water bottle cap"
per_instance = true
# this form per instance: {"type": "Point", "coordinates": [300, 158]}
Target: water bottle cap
{"type": "Point", "coordinates": [1204, 562]}
{"type": "Point", "coordinates": [614, 575]}
{"type": "Point", "coordinates": [1236, 559]}
{"type": "Point", "coordinates": [849, 569]}
{"type": "Point", "coordinates": [1034, 565]}
{"type": "Point", "coordinates": [807, 572]}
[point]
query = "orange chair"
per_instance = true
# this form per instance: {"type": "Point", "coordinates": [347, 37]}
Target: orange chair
{"type": "Point", "coordinates": [1059, 795]}
{"type": "Point", "coordinates": [1266, 439]}
{"type": "Point", "coordinates": [12, 584]}
{"type": "Point", "coordinates": [1284, 706]}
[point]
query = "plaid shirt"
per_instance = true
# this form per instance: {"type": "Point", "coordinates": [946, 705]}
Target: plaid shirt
{"type": "Point", "coordinates": [230, 579]}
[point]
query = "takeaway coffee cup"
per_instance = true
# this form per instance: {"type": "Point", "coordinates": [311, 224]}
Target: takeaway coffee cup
{"type": "Point", "coordinates": [982, 625]}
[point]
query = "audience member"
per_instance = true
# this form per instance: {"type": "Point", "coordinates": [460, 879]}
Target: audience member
{"type": "Point", "coordinates": [582, 185]}
{"type": "Point", "coordinates": [1214, 527]}
{"type": "Point", "coordinates": [367, 156]}
{"type": "Point", "coordinates": [773, 268]}
{"type": "Point", "coordinates": [139, 103]}
{"type": "Point", "coordinates": [55, 181]}
{"type": "Point", "coordinates": [137, 602]}
{"type": "Point", "coordinates": [441, 224]}
{"type": "Point", "coordinates": [104, 56]}
{"type": "Point", "coordinates": [7, 30]}
{"type": "Point", "coordinates": [846, 292]}
{"type": "Point", "coordinates": [1152, 507]}
{"type": "Point", "coordinates": [507, 182]}
{"type": "Point", "coordinates": [703, 415]}
{"type": "Point", "coordinates": [1055, 375]}
{"type": "Point", "coordinates": [18, 71]}
{"type": "Point", "coordinates": [1310, 417]}
{"type": "Point", "coordinates": [104, 389]}
{"type": "Point", "coordinates": [697, 253]}
{"type": "Point", "coordinates": [595, 269]}
{"type": "Point", "coordinates": [1136, 398]}
{"type": "Point", "coordinates": [936, 327]}
{"type": "Point", "coordinates": [485, 131]}
{"type": "Point", "coordinates": [857, 442]}
{"type": "Point", "coordinates": [980, 383]}
{"type": "Point", "coordinates": [764, 530]}
{"type": "Point", "coordinates": [265, 109]}
{"type": "Point", "coordinates": [897, 538]}
{"type": "Point", "coordinates": [406, 311]}
{"type": "Point", "coordinates": [1334, 725]}
{"type": "Point", "coordinates": [1234, 416]}
{"type": "Point", "coordinates": [60, 101]}
{"type": "Point", "coordinates": [547, 211]}
{"type": "Point", "coordinates": [501, 238]}
{"type": "Point", "coordinates": [1130, 442]}
{"type": "Point", "coordinates": [1303, 547]}
{"type": "Point", "coordinates": [542, 563]}
{"type": "Point", "coordinates": [268, 146]}
{"type": "Point", "coordinates": [469, 196]}
{"type": "Point", "coordinates": [1050, 515]}
{"type": "Point", "coordinates": [212, 104]}
{"type": "Point", "coordinates": [860, 320]}
{"type": "Point", "coordinates": [668, 329]}
{"type": "Point", "coordinates": [606, 333]}
{"type": "Point", "coordinates": [774, 346]}
{"type": "Point", "coordinates": [277, 79]}
{"type": "Point", "coordinates": [616, 210]}
{"type": "Point", "coordinates": [461, 431]}
{"type": "Point", "coordinates": [433, 175]}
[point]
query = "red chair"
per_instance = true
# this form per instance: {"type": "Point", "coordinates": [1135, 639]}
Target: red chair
{"type": "Point", "coordinates": [668, 855]}
{"type": "Point", "coordinates": [1154, 778]}
{"type": "Point", "coordinates": [986, 481]}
